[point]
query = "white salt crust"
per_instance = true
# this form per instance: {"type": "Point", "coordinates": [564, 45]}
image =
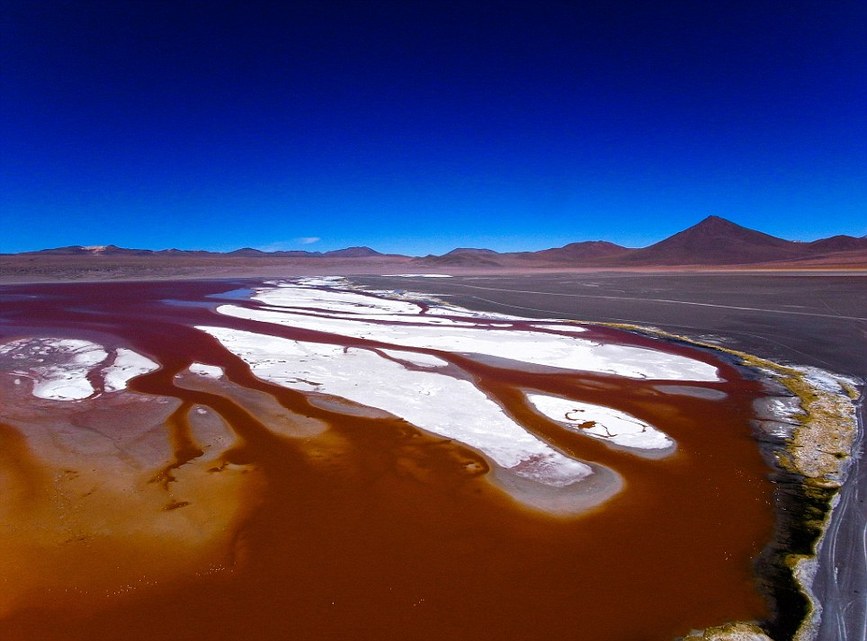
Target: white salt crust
{"type": "Point", "coordinates": [564, 327]}
{"type": "Point", "coordinates": [61, 368]}
{"type": "Point", "coordinates": [344, 302]}
{"type": "Point", "coordinates": [603, 423]}
{"type": "Point", "coordinates": [418, 275]}
{"type": "Point", "coordinates": [127, 365]}
{"type": "Point", "coordinates": [319, 281]}
{"type": "Point", "coordinates": [439, 404]}
{"type": "Point", "coordinates": [536, 348]}
{"type": "Point", "coordinates": [211, 371]}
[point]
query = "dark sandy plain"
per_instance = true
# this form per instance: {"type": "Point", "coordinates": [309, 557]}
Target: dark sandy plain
{"type": "Point", "coordinates": [800, 318]}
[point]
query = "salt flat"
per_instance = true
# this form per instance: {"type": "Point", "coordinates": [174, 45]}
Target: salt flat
{"type": "Point", "coordinates": [537, 348]}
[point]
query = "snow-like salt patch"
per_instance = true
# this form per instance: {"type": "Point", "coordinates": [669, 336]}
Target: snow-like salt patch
{"type": "Point", "coordinates": [212, 371]}
{"type": "Point", "coordinates": [126, 366]}
{"type": "Point", "coordinates": [64, 365]}
{"type": "Point", "coordinates": [437, 403]}
{"type": "Point", "coordinates": [827, 381]}
{"type": "Point", "coordinates": [604, 423]}
{"type": "Point", "coordinates": [61, 368]}
{"type": "Point", "coordinates": [551, 350]}
{"type": "Point", "coordinates": [565, 327]}
{"type": "Point", "coordinates": [320, 281]}
{"type": "Point", "coordinates": [334, 302]}
{"type": "Point", "coordinates": [417, 275]}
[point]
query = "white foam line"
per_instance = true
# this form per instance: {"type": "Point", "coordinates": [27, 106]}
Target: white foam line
{"type": "Point", "coordinates": [319, 281]}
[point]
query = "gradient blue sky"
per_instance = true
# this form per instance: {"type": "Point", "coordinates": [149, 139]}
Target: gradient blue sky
{"type": "Point", "coordinates": [417, 127]}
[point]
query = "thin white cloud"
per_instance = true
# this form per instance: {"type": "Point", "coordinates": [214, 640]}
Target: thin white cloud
{"type": "Point", "coordinates": [276, 247]}
{"type": "Point", "coordinates": [288, 245]}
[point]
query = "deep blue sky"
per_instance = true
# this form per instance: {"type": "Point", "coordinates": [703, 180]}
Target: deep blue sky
{"type": "Point", "coordinates": [421, 126]}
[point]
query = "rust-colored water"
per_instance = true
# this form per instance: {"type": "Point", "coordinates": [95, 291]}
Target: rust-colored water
{"type": "Point", "coordinates": [369, 529]}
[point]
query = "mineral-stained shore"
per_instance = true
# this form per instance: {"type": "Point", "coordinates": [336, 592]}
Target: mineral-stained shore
{"type": "Point", "coordinates": [807, 428]}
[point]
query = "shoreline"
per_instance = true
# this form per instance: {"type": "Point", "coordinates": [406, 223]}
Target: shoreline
{"type": "Point", "coordinates": [808, 477]}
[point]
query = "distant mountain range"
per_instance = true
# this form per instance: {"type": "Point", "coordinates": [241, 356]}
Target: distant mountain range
{"type": "Point", "coordinates": [248, 252]}
{"type": "Point", "coordinates": [712, 242]}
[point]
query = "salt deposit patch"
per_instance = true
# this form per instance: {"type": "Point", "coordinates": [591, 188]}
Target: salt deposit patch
{"type": "Point", "coordinates": [61, 368]}
{"type": "Point", "coordinates": [827, 381]}
{"type": "Point", "coordinates": [211, 371]}
{"type": "Point", "coordinates": [345, 312]}
{"type": "Point", "coordinates": [602, 422]}
{"type": "Point", "coordinates": [346, 302]}
{"type": "Point", "coordinates": [126, 366]}
{"type": "Point", "coordinates": [416, 358]}
{"type": "Point", "coordinates": [565, 327]}
{"type": "Point", "coordinates": [437, 403]}
{"type": "Point", "coordinates": [319, 281]}
{"type": "Point", "coordinates": [551, 350]}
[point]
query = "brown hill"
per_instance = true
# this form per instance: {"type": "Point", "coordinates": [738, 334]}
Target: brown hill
{"type": "Point", "coordinates": [463, 257]}
{"type": "Point", "coordinates": [248, 252]}
{"type": "Point", "coordinates": [837, 244]}
{"type": "Point", "coordinates": [586, 251]}
{"type": "Point", "coordinates": [92, 250]}
{"type": "Point", "coordinates": [716, 241]}
{"type": "Point", "coordinates": [353, 252]}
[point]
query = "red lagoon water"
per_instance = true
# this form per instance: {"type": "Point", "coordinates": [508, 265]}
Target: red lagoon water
{"type": "Point", "coordinates": [209, 518]}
